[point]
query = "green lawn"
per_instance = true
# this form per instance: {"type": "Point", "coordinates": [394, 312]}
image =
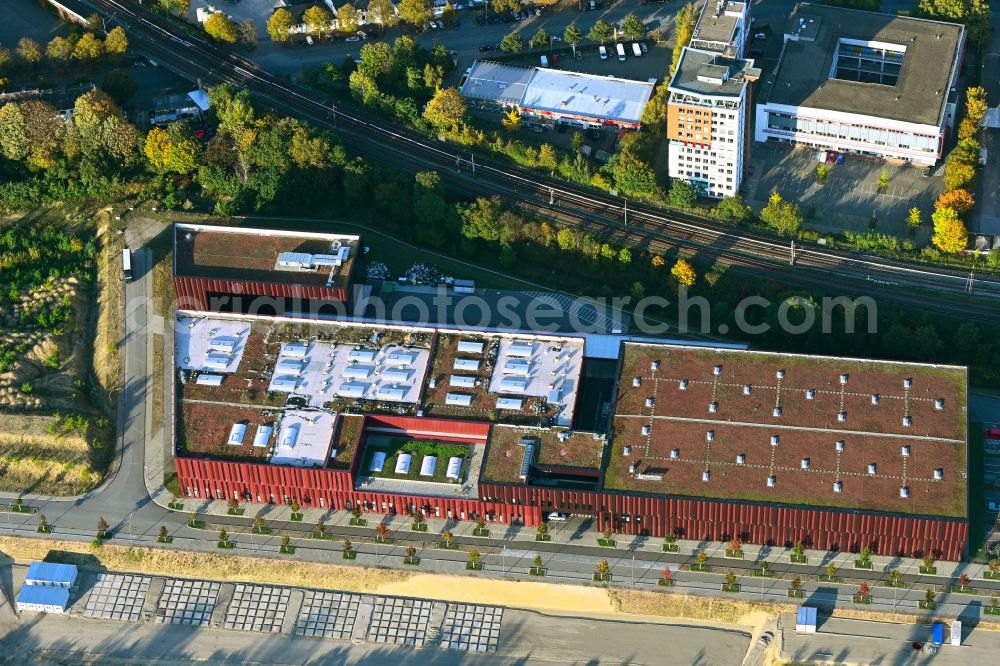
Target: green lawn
{"type": "Point", "coordinates": [394, 446]}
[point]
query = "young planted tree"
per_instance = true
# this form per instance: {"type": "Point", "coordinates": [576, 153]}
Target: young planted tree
{"type": "Point", "coordinates": [993, 565]}
{"type": "Point", "coordinates": [447, 536]}
{"type": "Point", "coordinates": [733, 547]}
{"type": "Point", "coordinates": [913, 218]}
{"type": "Point", "coordinates": [963, 582]}
{"type": "Point", "coordinates": [669, 541]}
{"type": "Point", "coordinates": [348, 552]}
{"type": "Point", "coordinates": [883, 180]}
{"type": "Point", "coordinates": [929, 599]}
{"type": "Point", "coordinates": [381, 532]}
{"type": "Point", "coordinates": [320, 530]}
{"type": "Point", "coordinates": [895, 578]}
{"type": "Point", "coordinates": [633, 28]}
{"type": "Point", "coordinates": [600, 32]}
{"type": "Point", "coordinates": [102, 528]}
{"type": "Point", "coordinates": [542, 532]}
{"type": "Point", "coordinates": [796, 586]}
{"type": "Point", "coordinates": [537, 562]}
{"type": "Point", "coordinates": [863, 591]}
{"type": "Point", "coordinates": [865, 558]}
{"type": "Point", "coordinates": [731, 582]}
{"type": "Point", "coordinates": [223, 538]}
{"type": "Point", "coordinates": [831, 570]}
{"type": "Point", "coordinates": [474, 560]}
{"type": "Point", "coordinates": [572, 36]}
{"type": "Point", "coordinates": [822, 173]}
{"type": "Point", "coordinates": [419, 522]}
{"type": "Point", "coordinates": [294, 506]}
{"type": "Point", "coordinates": [603, 571]}
{"type": "Point", "coordinates": [928, 565]}
{"type": "Point", "coordinates": [512, 43]}
{"type": "Point", "coordinates": [798, 551]}
{"type": "Point", "coordinates": [995, 605]}
{"type": "Point", "coordinates": [43, 524]}
{"type": "Point", "coordinates": [356, 515]}
{"type": "Point", "coordinates": [701, 559]}
{"type": "Point", "coordinates": [540, 39]}
{"type": "Point", "coordinates": [258, 524]}
{"type": "Point", "coordinates": [667, 577]}
{"type": "Point", "coordinates": [234, 505]}
{"type": "Point", "coordinates": [248, 33]}
{"type": "Point", "coordinates": [481, 527]}
{"type": "Point", "coordinates": [192, 519]}
{"type": "Point", "coordinates": [286, 545]}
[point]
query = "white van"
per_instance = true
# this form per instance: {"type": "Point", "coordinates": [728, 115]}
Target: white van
{"type": "Point", "coordinates": [636, 51]}
{"type": "Point", "coordinates": [545, 61]}
{"type": "Point", "coordinates": [603, 51]}
{"type": "Point", "coordinates": [127, 264]}
{"type": "Point", "coordinates": [621, 52]}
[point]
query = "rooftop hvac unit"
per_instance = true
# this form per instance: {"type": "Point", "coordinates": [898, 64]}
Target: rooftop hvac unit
{"type": "Point", "coordinates": [706, 475]}
{"type": "Point", "coordinates": [838, 486]}
{"type": "Point", "coordinates": [428, 466]}
{"type": "Point", "coordinates": [771, 480]}
{"type": "Point", "coordinates": [675, 453]}
{"type": "Point", "coordinates": [871, 468]}
{"type": "Point", "coordinates": [296, 260]}
{"type": "Point", "coordinates": [741, 458]}
{"type": "Point", "coordinates": [646, 429]}
{"type": "Point", "coordinates": [747, 389]}
{"type": "Point", "coordinates": [637, 381]}
{"type": "Point", "coordinates": [839, 445]}
{"type": "Point", "coordinates": [810, 394]}
{"type": "Point", "coordinates": [683, 385]}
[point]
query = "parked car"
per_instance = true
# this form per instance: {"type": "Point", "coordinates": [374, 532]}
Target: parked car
{"type": "Point", "coordinates": [992, 505]}
{"type": "Point", "coordinates": [621, 52]}
{"type": "Point", "coordinates": [831, 157]}
{"type": "Point", "coordinates": [643, 46]}
{"type": "Point", "coordinates": [557, 517]}
{"type": "Point", "coordinates": [555, 38]}
{"type": "Point", "coordinates": [579, 55]}
{"type": "Point", "coordinates": [486, 48]}
{"type": "Point", "coordinates": [353, 38]}
{"type": "Point", "coordinates": [760, 35]}
{"type": "Point", "coordinates": [555, 61]}
{"type": "Point", "coordinates": [603, 51]}
{"type": "Point", "coordinates": [636, 51]}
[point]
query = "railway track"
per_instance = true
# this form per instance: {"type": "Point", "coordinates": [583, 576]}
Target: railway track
{"type": "Point", "coordinates": [942, 290]}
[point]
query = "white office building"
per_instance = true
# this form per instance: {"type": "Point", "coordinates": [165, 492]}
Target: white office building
{"type": "Point", "coordinates": [864, 83]}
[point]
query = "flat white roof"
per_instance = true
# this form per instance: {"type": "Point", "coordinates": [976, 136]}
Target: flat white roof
{"type": "Point", "coordinates": [263, 436]}
{"type": "Point", "coordinates": [605, 97]}
{"type": "Point", "coordinates": [459, 399]}
{"type": "Point", "coordinates": [391, 373]}
{"type": "Point", "coordinates": [304, 438]}
{"type": "Point", "coordinates": [210, 344]}
{"type": "Point", "coordinates": [470, 347]}
{"type": "Point", "coordinates": [553, 373]}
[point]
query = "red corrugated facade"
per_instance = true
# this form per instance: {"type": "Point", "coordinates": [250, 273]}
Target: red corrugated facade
{"type": "Point", "coordinates": [702, 519]}
{"type": "Point", "coordinates": [192, 293]}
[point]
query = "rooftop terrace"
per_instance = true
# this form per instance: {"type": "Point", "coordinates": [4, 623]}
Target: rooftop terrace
{"type": "Point", "coordinates": [791, 429]}
{"type": "Point", "coordinates": [263, 255]}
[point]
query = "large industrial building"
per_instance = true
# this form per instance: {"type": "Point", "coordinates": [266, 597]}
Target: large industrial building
{"type": "Point", "coordinates": [708, 111]}
{"type": "Point", "coordinates": [236, 269]}
{"type": "Point", "coordinates": [864, 83]}
{"type": "Point", "coordinates": [701, 442]}
{"type": "Point", "coordinates": [551, 95]}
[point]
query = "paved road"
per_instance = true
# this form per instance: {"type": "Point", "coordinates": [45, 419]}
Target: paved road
{"type": "Point", "coordinates": [843, 641]}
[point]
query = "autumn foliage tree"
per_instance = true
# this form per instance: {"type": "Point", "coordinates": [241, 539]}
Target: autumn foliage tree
{"type": "Point", "coordinates": [221, 27]}
{"type": "Point", "coordinates": [446, 110]}
{"type": "Point", "coordinates": [950, 234]}
{"type": "Point", "coordinates": [960, 200]}
{"type": "Point", "coordinates": [685, 274]}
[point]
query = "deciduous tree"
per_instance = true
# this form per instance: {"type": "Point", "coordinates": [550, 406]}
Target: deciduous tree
{"type": "Point", "coordinates": [682, 194]}
{"type": "Point", "coordinates": [88, 47]}
{"type": "Point", "coordinates": [961, 200]}
{"type": "Point", "coordinates": [116, 42]}
{"type": "Point", "coordinates": [782, 216]}
{"type": "Point", "coordinates": [60, 49]}
{"type": "Point", "coordinates": [975, 103]}
{"type": "Point", "coordinates": [446, 109]}
{"type": "Point", "coordinates": [913, 218]}
{"type": "Point", "coordinates": [221, 27]}
{"type": "Point", "coordinates": [733, 209]}
{"type": "Point", "coordinates": [950, 234]}
{"type": "Point", "coordinates": [512, 43]}
{"type": "Point", "coordinates": [29, 51]}
{"type": "Point", "coordinates": [279, 24]}
{"type": "Point", "coordinates": [572, 36]}
{"type": "Point", "coordinates": [600, 32]}
{"type": "Point", "coordinates": [684, 23]}
{"type": "Point", "coordinates": [383, 13]}
{"type": "Point", "coordinates": [684, 272]}
{"type": "Point", "coordinates": [415, 12]}
{"type": "Point", "coordinates": [633, 28]}
{"type": "Point", "coordinates": [348, 18]}
{"type": "Point", "coordinates": [172, 150]}
{"type": "Point", "coordinates": [248, 33]}
{"type": "Point", "coordinates": [120, 85]}
{"type": "Point", "coordinates": [540, 39]}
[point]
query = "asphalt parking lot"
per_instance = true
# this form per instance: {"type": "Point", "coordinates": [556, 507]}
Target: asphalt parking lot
{"type": "Point", "coordinates": [849, 198]}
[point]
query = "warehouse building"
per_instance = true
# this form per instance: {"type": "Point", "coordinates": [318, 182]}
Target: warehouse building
{"type": "Point", "coordinates": [864, 83]}
{"type": "Point", "coordinates": [559, 96]}
{"type": "Point", "coordinates": [705, 443]}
